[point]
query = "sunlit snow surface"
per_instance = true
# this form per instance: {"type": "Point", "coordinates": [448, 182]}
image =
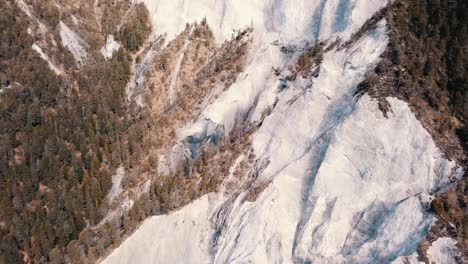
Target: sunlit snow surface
{"type": "Point", "coordinates": [443, 251]}
{"type": "Point", "coordinates": [290, 19]}
{"type": "Point", "coordinates": [345, 181]}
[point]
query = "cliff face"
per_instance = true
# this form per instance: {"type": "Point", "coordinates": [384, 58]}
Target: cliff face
{"type": "Point", "coordinates": [233, 131]}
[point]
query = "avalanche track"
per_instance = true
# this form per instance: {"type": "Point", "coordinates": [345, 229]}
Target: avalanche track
{"type": "Point", "coordinates": [347, 185]}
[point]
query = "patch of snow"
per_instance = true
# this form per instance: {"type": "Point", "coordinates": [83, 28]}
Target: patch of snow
{"type": "Point", "coordinates": [231, 176]}
{"type": "Point", "coordinates": [168, 163]}
{"type": "Point", "coordinates": [3, 89]}
{"type": "Point", "coordinates": [116, 189]}
{"type": "Point", "coordinates": [236, 164]}
{"type": "Point", "coordinates": [128, 199]}
{"type": "Point", "coordinates": [52, 66]}
{"type": "Point", "coordinates": [111, 46]}
{"type": "Point", "coordinates": [443, 251]}
{"type": "Point", "coordinates": [163, 167]}
{"type": "Point", "coordinates": [75, 21]}
{"type": "Point", "coordinates": [342, 18]}
{"type": "Point", "coordinates": [125, 206]}
{"type": "Point", "coordinates": [328, 168]}
{"type": "Point", "coordinates": [73, 43]}
{"type": "Point", "coordinates": [24, 7]}
{"type": "Point", "coordinates": [140, 100]}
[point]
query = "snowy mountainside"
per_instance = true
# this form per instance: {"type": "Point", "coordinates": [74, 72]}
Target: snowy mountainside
{"type": "Point", "coordinates": [243, 131]}
{"type": "Point", "coordinates": [300, 19]}
{"type": "Point", "coordinates": [345, 184]}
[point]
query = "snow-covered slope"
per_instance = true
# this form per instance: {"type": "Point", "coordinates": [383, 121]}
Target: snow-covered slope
{"type": "Point", "coordinates": [74, 43]}
{"type": "Point", "coordinates": [289, 19]}
{"type": "Point", "coordinates": [362, 206]}
{"type": "Point", "coordinates": [186, 237]}
{"type": "Point", "coordinates": [347, 185]}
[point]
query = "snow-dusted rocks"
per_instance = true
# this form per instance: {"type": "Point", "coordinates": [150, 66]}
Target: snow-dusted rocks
{"type": "Point", "coordinates": [116, 183]}
{"type": "Point", "coordinates": [111, 46]}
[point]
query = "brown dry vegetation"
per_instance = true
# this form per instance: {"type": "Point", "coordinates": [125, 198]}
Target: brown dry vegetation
{"type": "Point", "coordinates": [164, 118]}
{"type": "Point", "coordinates": [190, 87]}
{"type": "Point", "coordinates": [61, 137]}
{"type": "Point", "coordinates": [204, 67]}
{"type": "Point", "coordinates": [112, 13]}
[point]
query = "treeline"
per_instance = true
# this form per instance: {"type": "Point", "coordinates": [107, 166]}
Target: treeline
{"type": "Point", "coordinates": [441, 25]}
{"type": "Point", "coordinates": [61, 138]}
{"type": "Point", "coordinates": [425, 65]}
